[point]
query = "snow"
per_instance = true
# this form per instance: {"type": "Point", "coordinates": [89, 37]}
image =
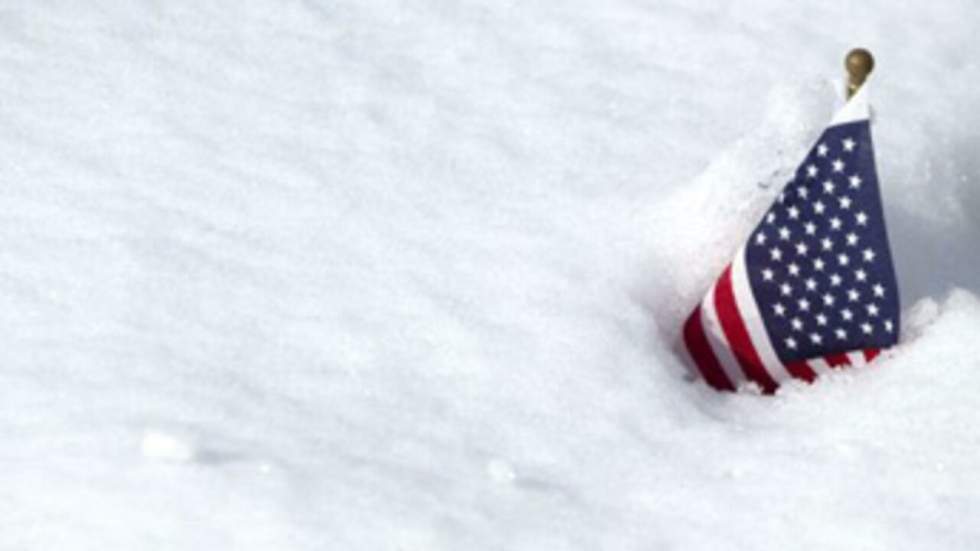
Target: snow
{"type": "Point", "coordinates": [386, 275]}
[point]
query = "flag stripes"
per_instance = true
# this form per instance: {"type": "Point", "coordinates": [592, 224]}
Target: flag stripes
{"type": "Point", "coordinates": [724, 337]}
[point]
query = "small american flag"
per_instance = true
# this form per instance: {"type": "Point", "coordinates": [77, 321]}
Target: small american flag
{"type": "Point", "coordinates": [813, 288]}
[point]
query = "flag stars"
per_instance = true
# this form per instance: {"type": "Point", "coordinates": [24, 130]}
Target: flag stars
{"type": "Point", "coordinates": [818, 260]}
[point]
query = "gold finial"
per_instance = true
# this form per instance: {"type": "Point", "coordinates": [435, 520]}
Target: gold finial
{"type": "Point", "coordinates": [859, 64]}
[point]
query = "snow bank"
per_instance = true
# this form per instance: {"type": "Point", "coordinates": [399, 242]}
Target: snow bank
{"type": "Point", "coordinates": [350, 275]}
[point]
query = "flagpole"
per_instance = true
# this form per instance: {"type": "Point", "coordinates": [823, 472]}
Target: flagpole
{"type": "Point", "coordinates": [859, 64]}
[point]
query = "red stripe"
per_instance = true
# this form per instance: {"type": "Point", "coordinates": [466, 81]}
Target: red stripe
{"type": "Point", "coordinates": [738, 336]}
{"type": "Point", "coordinates": [801, 370]}
{"type": "Point", "coordinates": [871, 354]}
{"type": "Point", "coordinates": [837, 360]}
{"type": "Point", "coordinates": [704, 357]}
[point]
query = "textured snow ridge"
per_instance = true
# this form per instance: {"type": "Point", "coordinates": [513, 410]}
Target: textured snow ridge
{"type": "Point", "coordinates": [307, 275]}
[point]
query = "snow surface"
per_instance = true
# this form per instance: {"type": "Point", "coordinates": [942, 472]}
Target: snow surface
{"type": "Point", "coordinates": [409, 275]}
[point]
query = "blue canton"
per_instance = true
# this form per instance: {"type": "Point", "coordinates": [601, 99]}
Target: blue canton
{"type": "Point", "coordinates": [819, 263]}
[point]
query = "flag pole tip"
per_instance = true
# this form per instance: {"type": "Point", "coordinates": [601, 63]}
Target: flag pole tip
{"type": "Point", "coordinates": [859, 64]}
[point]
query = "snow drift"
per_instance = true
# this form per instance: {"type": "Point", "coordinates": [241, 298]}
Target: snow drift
{"type": "Point", "coordinates": [377, 275]}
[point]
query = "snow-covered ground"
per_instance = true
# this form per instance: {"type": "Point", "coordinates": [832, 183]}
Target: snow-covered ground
{"type": "Point", "coordinates": [408, 275]}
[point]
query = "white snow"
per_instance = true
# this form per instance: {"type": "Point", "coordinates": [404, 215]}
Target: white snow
{"type": "Point", "coordinates": [166, 447]}
{"type": "Point", "coordinates": [409, 275]}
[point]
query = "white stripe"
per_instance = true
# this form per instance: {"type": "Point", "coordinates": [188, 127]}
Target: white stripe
{"type": "Point", "coordinates": [717, 340]}
{"type": "Point", "coordinates": [856, 109]}
{"type": "Point", "coordinates": [749, 310]}
{"type": "Point", "coordinates": [819, 366]}
{"type": "Point", "coordinates": [857, 358]}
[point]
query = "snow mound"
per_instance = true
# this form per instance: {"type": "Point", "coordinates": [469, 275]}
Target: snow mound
{"type": "Point", "coordinates": [384, 275]}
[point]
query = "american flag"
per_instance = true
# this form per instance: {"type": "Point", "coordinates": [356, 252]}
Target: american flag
{"type": "Point", "coordinates": [813, 288]}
